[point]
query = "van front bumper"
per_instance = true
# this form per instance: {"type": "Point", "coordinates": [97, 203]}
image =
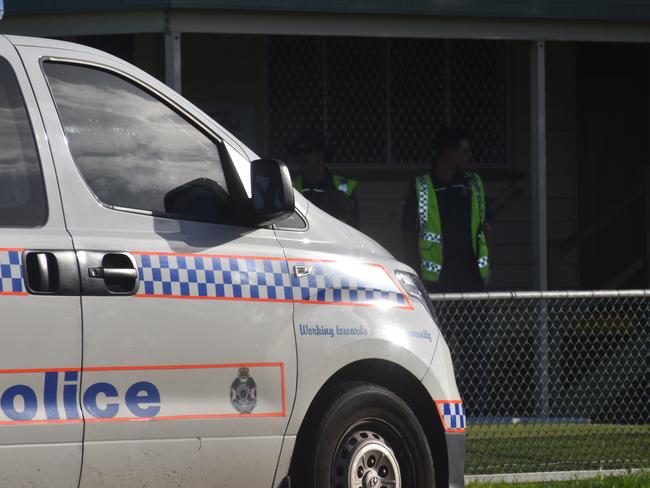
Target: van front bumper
{"type": "Point", "coordinates": [456, 458]}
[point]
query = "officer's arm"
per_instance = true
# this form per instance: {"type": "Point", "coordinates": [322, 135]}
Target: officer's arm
{"type": "Point", "coordinates": [410, 228]}
{"type": "Point", "coordinates": [487, 230]}
{"type": "Point", "coordinates": [354, 218]}
{"type": "Point", "coordinates": [411, 254]}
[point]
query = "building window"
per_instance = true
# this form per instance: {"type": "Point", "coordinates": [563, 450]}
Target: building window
{"type": "Point", "coordinates": [381, 100]}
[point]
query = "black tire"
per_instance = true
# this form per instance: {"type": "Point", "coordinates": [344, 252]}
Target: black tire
{"type": "Point", "coordinates": [366, 422]}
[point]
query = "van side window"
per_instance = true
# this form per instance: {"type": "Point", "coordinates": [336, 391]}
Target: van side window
{"type": "Point", "coordinates": [22, 194]}
{"type": "Point", "coordinates": [133, 150]}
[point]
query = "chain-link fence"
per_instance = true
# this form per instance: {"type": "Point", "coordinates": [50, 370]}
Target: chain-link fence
{"type": "Point", "coordinates": [552, 381]}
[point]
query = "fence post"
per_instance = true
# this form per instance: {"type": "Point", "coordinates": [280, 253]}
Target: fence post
{"type": "Point", "coordinates": [646, 199]}
{"type": "Point", "coordinates": [539, 231]}
{"type": "Point", "coordinates": [538, 164]}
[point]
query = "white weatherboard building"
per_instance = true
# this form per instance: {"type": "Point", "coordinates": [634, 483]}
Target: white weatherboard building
{"type": "Point", "coordinates": [554, 93]}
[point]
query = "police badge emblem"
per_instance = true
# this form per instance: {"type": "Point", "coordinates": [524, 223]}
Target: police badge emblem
{"type": "Point", "coordinates": [243, 392]}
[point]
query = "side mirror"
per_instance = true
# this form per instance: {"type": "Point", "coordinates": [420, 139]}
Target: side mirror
{"type": "Point", "coordinates": [271, 190]}
{"type": "Point", "coordinates": [201, 198]}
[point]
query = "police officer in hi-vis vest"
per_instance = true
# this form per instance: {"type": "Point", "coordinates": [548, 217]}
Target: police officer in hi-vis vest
{"type": "Point", "coordinates": [332, 193]}
{"type": "Point", "coordinates": [446, 220]}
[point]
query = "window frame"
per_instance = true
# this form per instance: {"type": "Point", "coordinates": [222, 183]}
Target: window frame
{"type": "Point", "coordinates": [39, 161]}
{"type": "Point", "coordinates": [235, 187]}
{"type": "Point", "coordinates": [304, 228]}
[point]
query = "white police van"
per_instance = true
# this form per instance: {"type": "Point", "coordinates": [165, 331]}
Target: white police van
{"type": "Point", "coordinates": [173, 318]}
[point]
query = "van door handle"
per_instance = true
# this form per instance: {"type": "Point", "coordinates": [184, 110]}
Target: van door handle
{"type": "Point", "coordinates": [108, 273]}
{"type": "Point", "coordinates": [113, 273]}
{"type": "Point", "coordinates": [42, 270]}
{"type": "Point", "coordinates": [50, 272]}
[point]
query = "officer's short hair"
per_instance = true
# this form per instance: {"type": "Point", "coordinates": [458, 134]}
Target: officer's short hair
{"type": "Point", "coordinates": [448, 137]}
{"type": "Point", "coordinates": [309, 137]}
{"type": "Point", "coordinates": [312, 138]}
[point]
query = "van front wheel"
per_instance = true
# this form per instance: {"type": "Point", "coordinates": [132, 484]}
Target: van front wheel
{"type": "Point", "coordinates": [370, 438]}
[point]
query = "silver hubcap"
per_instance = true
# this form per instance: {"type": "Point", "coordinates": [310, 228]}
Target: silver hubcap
{"type": "Point", "coordinates": [364, 460]}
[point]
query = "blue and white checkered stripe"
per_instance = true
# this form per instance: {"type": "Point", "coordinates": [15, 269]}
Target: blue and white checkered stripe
{"type": "Point", "coordinates": [245, 278]}
{"type": "Point", "coordinates": [452, 415]}
{"type": "Point", "coordinates": [11, 273]}
{"type": "Point", "coordinates": [214, 277]}
{"type": "Point", "coordinates": [431, 237]}
{"type": "Point", "coordinates": [346, 283]}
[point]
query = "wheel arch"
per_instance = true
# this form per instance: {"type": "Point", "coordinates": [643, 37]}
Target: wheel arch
{"type": "Point", "coordinates": [388, 375]}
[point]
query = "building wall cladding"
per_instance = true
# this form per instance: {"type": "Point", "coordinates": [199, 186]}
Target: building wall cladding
{"type": "Point", "coordinates": [513, 223]}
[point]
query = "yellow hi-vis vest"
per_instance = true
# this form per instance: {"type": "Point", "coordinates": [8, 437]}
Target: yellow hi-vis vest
{"type": "Point", "coordinates": [431, 240]}
{"type": "Point", "coordinates": [346, 185]}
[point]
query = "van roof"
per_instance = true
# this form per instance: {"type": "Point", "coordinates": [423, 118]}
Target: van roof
{"type": "Point", "coordinates": [52, 43]}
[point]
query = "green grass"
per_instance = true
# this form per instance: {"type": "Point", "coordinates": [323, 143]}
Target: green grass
{"type": "Point", "coordinates": [522, 448]}
{"type": "Point", "coordinates": [630, 481]}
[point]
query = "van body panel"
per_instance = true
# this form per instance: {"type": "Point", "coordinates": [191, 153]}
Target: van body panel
{"type": "Point", "coordinates": [39, 446]}
{"type": "Point", "coordinates": [192, 349]}
{"type": "Point", "coordinates": [215, 354]}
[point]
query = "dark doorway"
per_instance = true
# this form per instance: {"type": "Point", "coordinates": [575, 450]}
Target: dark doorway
{"type": "Point", "coordinates": [613, 157]}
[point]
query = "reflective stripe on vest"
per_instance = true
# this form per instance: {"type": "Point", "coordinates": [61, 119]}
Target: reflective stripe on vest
{"type": "Point", "coordinates": [297, 183]}
{"type": "Point", "coordinates": [432, 267]}
{"type": "Point", "coordinates": [346, 185]}
{"type": "Point", "coordinates": [478, 220]}
{"type": "Point", "coordinates": [430, 236]}
{"type": "Point", "coordinates": [431, 239]}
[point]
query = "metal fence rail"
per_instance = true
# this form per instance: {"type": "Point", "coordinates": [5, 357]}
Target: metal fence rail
{"type": "Point", "coordinates": [552, 381]}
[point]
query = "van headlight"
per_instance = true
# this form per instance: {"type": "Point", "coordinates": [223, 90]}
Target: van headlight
{"type": "Point", "coordinates": [414, 287]}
